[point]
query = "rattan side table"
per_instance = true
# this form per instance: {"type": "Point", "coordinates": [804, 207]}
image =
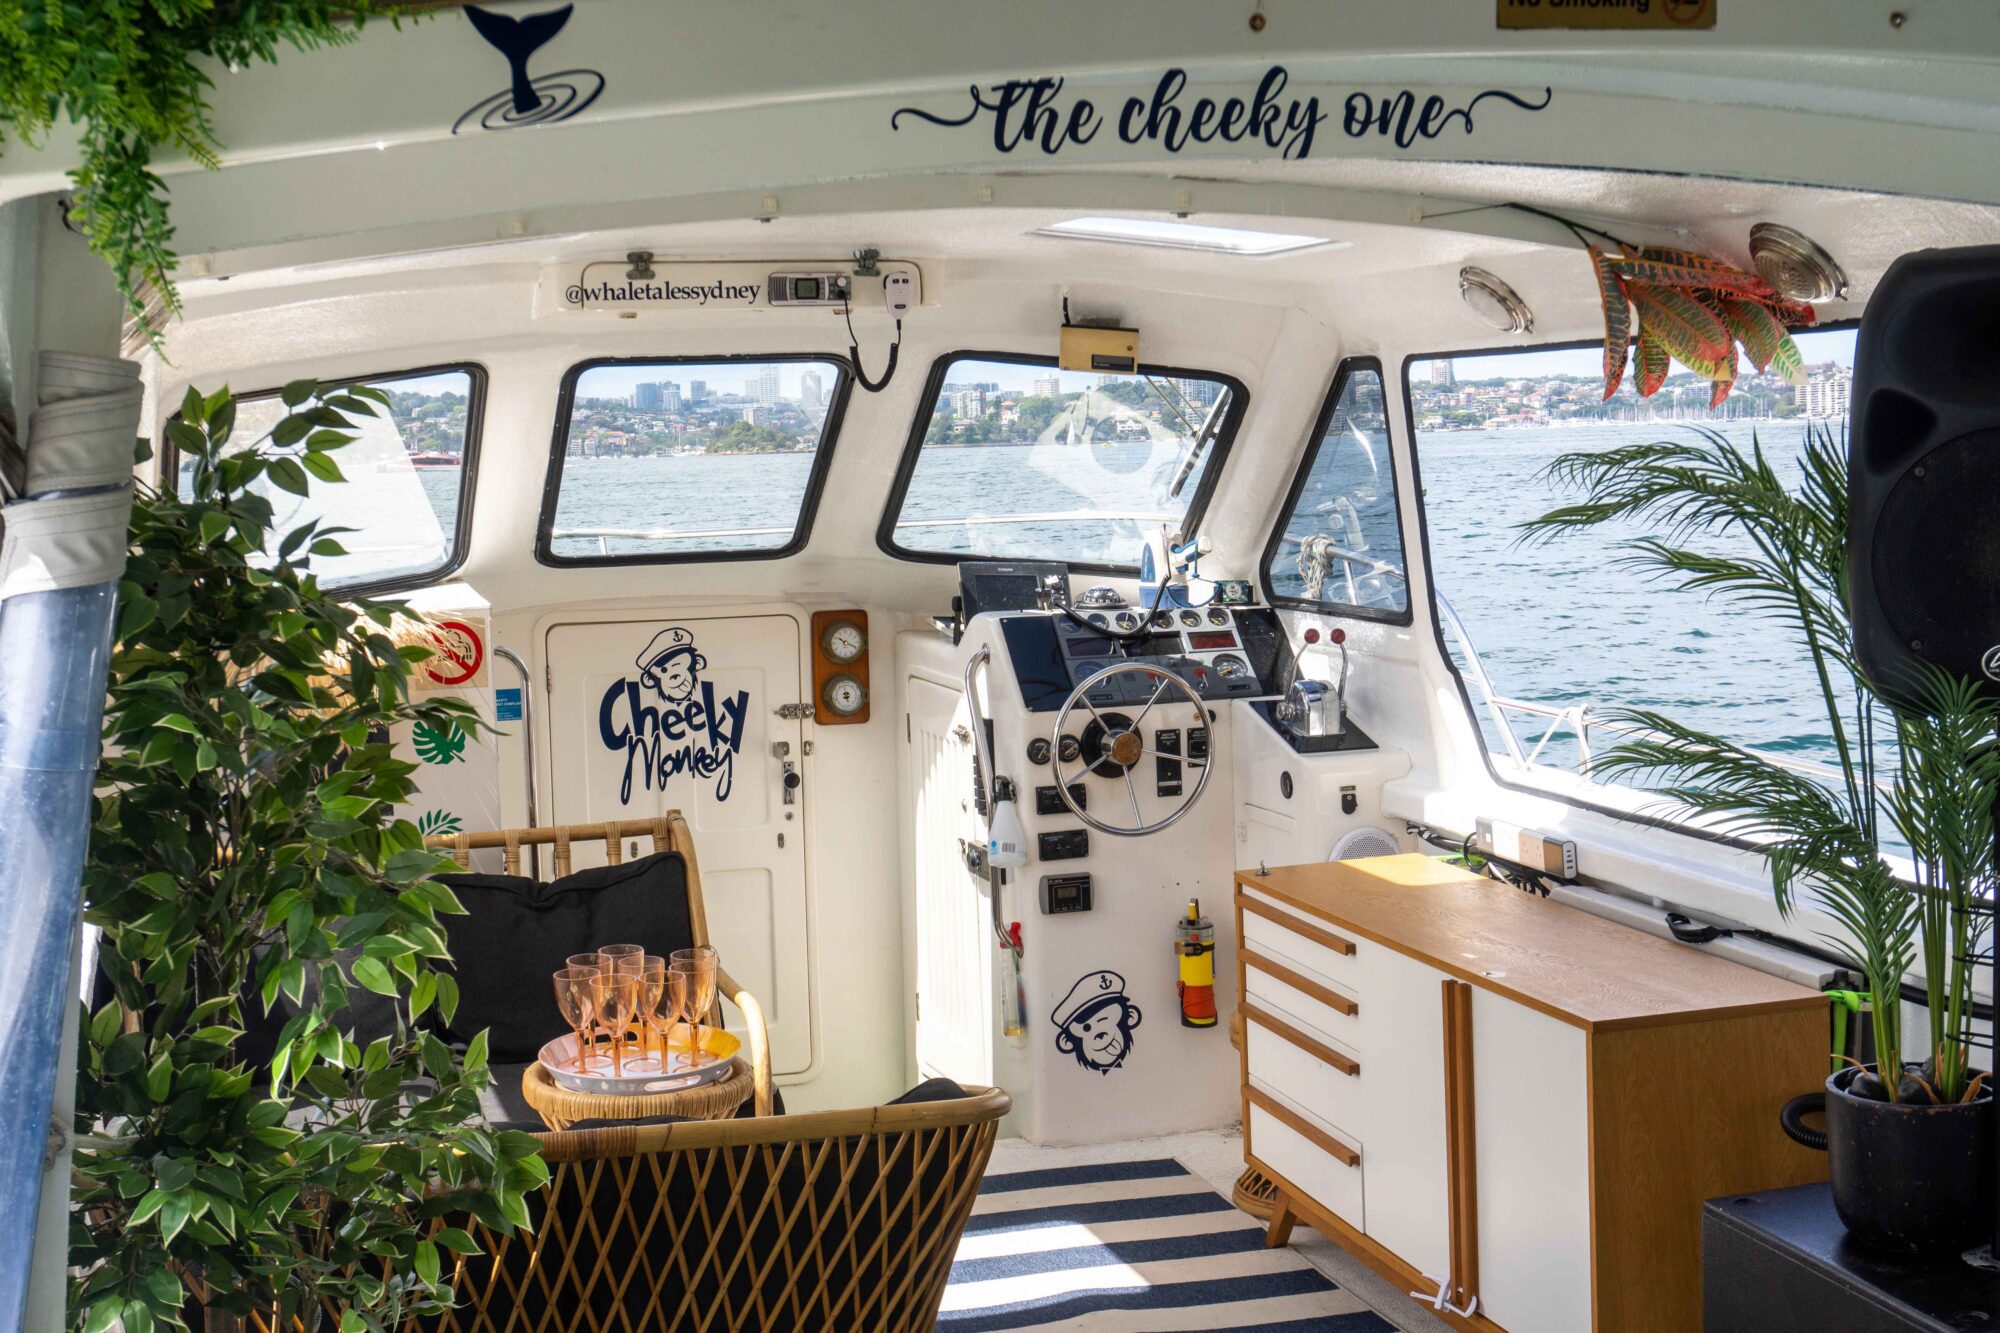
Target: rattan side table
{"type": "Point", "coordinates": [559, 1108]}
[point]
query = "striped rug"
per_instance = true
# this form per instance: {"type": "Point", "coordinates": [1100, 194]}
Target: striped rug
{"type": "Point", "coordinates": [1131, 1247]}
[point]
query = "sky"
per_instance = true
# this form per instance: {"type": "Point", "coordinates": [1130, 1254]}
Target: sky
{"type": "Point", "coordinates": [1834, 345]}
{"type": "Point", "coordinates": [720, 376]}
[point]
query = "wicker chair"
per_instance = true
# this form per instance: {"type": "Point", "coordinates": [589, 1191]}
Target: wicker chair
{"type": "Point", "coordinates": [669, 833]}
{"type": "Point", "coordinates": [832, 1220]}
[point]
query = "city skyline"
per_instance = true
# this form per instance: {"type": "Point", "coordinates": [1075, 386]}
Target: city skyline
{"type": "Point", "coordinates": [1815, 347]}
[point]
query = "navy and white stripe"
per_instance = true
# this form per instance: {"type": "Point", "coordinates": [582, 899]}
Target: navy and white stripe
{"type": "Point", "coordinates": [1126, 1247]}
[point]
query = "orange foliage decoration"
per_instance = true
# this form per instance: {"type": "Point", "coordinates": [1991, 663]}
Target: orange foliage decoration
{"type": "Point", "coordinates": [1695, 310]}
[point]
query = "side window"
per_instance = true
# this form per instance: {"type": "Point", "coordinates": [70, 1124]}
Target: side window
{"type": "Point", "coordinates": [406, 490]}
{"type": "Point", "coordinates": [1340, 547]}
{"type": "Point", "coordinates": [667, 460]}
{"type": "Point", "coordinates": [1550, 636]}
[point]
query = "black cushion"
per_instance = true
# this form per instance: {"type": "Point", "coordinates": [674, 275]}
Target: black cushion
{"type": "Point", "coordinates": [517, 931]}
{"type": "Point", "coordinates": [930, 1090]}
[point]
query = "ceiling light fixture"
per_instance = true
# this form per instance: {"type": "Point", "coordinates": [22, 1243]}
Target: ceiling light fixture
{"type": "Point", "coordinates": [1792, 262]}
{"type": "Point", "coordinates": [1495, 302]}
{"type": "Point", "coordinates": [1185, 236]}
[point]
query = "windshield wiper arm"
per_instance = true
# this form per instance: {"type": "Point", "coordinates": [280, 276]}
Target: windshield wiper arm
{"type": "Point", "coordinates": [1211, 426]}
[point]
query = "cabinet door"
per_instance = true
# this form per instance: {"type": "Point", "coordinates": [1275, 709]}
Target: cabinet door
{"type": "Point", "coordinates": [1532, 1130]}
{"type": "Point", "coordinates": [1402, 1072]}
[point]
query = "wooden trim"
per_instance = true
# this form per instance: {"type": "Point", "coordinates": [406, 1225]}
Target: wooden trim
{"type": "Point", "coordinates": [1292, 1120]}
{"type": "Point", "coordinates": [1368, 1250]}
{"type": "Point", "coordinates": [1284, 1031]}
{"type": "Point", "coordinates": [1279, 917]}
{"type": "Point", "coordinates": [1461, 1140]}
{"type": "Point", "coordinates": [1805, 1000]}
{"type": "Point", "coordinates": [1332, 999]}
{"type": "Point", "coordinates": [824, 668]}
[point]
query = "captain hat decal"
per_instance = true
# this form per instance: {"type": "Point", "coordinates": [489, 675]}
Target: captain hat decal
{"type": "Point", "coordinates": [1095, 1020]}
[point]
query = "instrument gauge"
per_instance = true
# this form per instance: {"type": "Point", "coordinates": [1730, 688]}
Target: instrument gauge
{"type": "Point", "coordinates": [1126, 620]}
{"type": "Point", "coordinates": [1069, 749]}
{"type": "Point", "coordinates": [1163, 620]}
{"type": "Point", "coordinates": [1097, 618]}
{"type": "Point", "coordinates": [844, 696]}
{"type": "Point", "coordinates": [1228, 666]}
{"type": "Point", "coordinates": [1217, 616]}
{"type": "Point", "coordinates": [843, 641]}
{"type": "Point", "coordinates": [1191, 618]}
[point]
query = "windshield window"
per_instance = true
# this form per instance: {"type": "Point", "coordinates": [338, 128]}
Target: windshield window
{"type": "Point", "coordinates": [1020, 460]}
{"type": "Point", "coordinates": [690, 460]}
{"type": "Point", "coordinates": [1341, 548]}
{"type": "Point", "coordinates": [405, 479]}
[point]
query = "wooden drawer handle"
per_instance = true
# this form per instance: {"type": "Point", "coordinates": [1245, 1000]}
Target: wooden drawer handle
{"type": "Point", "coordinates": [1332, 999]}
{"type": "Point", "coordinates": [1318, 1137]}
{"type": "Point", "coordinates": [1318, 1050]}
{"type": "Point", "coordinates": [1325, 938]}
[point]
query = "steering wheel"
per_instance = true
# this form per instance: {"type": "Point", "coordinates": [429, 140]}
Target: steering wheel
{"type": "Point", "coordinates": [1114, 744]}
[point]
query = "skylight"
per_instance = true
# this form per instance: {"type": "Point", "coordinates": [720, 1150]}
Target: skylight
{"type": "Point", "coordinates": [1183, 236]}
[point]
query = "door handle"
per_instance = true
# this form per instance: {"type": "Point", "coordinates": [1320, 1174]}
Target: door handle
{"type": "Point", "coordinates": [782, 751]}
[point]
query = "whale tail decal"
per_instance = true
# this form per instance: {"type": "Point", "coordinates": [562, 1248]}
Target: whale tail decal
{"type": "Point", "coordinates": [517, 39]}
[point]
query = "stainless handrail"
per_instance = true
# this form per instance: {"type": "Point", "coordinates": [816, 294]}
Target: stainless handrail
{"type": "Point", "coordinates": [980, 656]}
{"type": "Point", "coordinates": [528, 744]}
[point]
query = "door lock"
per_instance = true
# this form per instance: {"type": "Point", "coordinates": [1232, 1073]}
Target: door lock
{"type": "Point", "coordinates": [782, 752]}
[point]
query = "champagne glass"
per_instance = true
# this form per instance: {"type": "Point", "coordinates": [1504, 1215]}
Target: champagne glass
{"type": "Point", "coordinates": [617, 998]}
{"type": "Point", "coordinates": [699, 965]}
{"type": "Point", "coordinates": [575, 996]}
{"type": "Point", "coordinates": [652, 994]}
{"type": "Point", "coordinates": [589, 962]}
{"type": "Point", "coordinates": [674, 1007]}
{"type": "Point", "coordinates": [626, 960]}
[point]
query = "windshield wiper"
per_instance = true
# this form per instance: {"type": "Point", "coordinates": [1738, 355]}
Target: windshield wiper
{"type": "Point", "coordinates": [1211, 426]}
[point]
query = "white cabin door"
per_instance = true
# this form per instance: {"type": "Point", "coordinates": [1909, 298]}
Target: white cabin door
{"type": "Point", "coordinates": [954, 935]}
{"type": "Point", "coordinates": [650, 716]}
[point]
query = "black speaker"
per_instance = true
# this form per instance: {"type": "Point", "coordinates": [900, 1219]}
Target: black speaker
{"type": "Point", "coordinates": [1923, 472]}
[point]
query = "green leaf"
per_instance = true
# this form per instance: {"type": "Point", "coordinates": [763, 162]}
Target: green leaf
{"type": "Point", "coordinates": [352, 1322]}
{"type": "Point", "coordinates": [174, 1213]}
{"type": "Point", "coordinates": [427, 1264]}
{"type": "Point", "coordinates": [1684, 327]}
{"type": "Point", "coordinates": [373, 974]}
{"type": "Point", "coordinates": [287, 475]}
{"type": "Point", "coordinates": [322, 467]}
{"type": "Point", "coordinates": [179, 722]}
{"type": "Point", "coordinates": [1617, 319]}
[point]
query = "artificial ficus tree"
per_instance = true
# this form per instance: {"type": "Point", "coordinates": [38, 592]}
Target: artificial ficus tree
{"type": "Point", "coordinates": [246, 859]}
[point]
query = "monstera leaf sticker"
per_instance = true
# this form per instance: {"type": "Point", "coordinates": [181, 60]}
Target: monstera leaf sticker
{"type": "Point", "coordinates": [435, 823]}
{"type": "Point", "coordinates": [439, 745]}
{"type": "Point", "coordinates": [1695, 310]}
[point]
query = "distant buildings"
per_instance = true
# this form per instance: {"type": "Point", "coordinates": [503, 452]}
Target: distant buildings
{"type": "Point", "coordinates": [969, 404]}
{"type": "Point", "coordinates": [812, 391]}
{"type": "Point", "coordinates": [1442, 375]}
{"type": "Point", "coordinates": [670, 396]}
{"type": "Point", "coordinates": [1049, 386]}
{"type": "Point", "coordinates": [1826, 391]}
{"type": "Point", "coordinates": [697, 394]}
{"type": "Point", "coordinates": [646, 397]}
{"type": "Point", "coordinates": [763, 386]}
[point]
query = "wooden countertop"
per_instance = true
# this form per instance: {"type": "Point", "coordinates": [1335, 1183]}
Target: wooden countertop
{"type": "Point", "coordinates": [1582, 969]}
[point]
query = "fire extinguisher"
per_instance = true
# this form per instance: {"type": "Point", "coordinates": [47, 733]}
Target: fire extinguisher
{"type": "Point", "coordinates": [1194, 942]}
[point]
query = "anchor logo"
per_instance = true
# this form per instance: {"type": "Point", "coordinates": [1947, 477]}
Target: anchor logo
{"type": "Point", "coordinates": [546, 100]}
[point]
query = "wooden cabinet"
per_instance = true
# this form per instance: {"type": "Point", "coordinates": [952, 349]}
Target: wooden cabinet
{"type": "Point", "coordinates": [1518, 1104]}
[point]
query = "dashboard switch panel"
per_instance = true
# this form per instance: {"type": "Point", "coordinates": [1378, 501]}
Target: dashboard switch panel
{"type": "Point", "coordinates": [1065, 845]}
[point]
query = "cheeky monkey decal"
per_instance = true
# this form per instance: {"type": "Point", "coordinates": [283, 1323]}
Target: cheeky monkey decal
{"type": "Point", "coordinates": [1095, 1021]}
{"type": "Point", "coordinates": [670, 720]}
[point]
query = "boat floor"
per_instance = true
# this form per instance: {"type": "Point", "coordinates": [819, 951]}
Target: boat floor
{"type": "Point", "coordinates": [1214, 1159]}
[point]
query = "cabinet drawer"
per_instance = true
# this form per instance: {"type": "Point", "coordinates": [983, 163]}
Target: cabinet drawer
{"type": "Point", "coordinates": [1302, 1070]}
{"type": "Point", "coordinates": [1306, 1156]}
{"type": "Point", "coordinates": [1324, 1010]}
{"type": "Point", "coordinates": [1298, 941]}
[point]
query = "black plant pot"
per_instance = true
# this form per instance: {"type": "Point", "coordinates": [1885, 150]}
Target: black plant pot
{"type": "Point", "coordinates": [1908, 1178]}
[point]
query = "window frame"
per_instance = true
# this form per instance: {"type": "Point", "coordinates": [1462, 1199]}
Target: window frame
{"type": "Point", "coordinates": [829, 440]}
{"type": "Point", "coordinates": [461, 533]}
{"type": "Point", "coordinates": [1550, 793]}
{"type": "Point", "coordinates": [906, 467]}
{"type": "Point", "coordinates": [1300, 474]}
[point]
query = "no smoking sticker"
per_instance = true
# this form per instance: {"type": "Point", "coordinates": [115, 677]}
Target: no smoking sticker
{"type": "Point", "coordinates": [459, 659]}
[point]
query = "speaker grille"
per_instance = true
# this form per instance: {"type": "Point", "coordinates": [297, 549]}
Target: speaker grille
{"type": "Point", "coordinates": [1936, 554]}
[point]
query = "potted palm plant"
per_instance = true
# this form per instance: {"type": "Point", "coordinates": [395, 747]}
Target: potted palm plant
{"type": "Point", "coordinates": [1910, 1137]}
{"type": "Point", "coordinates": [247, 868]}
